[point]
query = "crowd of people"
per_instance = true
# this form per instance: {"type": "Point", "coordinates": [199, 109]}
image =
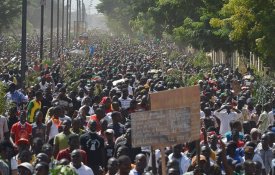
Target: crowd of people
{"type": "Point", "coordinates": [76, 115]}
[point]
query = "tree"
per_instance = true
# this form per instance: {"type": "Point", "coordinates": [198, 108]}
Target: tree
{"type": "Point", "coordinates": [250, 25]}
{"type": "Point", "coordinates": [9, 10]}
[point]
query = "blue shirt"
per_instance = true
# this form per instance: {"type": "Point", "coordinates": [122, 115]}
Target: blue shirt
{"type": "Point", "coordinates": [16, 97]}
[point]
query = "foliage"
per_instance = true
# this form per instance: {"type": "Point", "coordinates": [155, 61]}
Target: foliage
{"type": "Point", "coordinates": [250, 25]}
{"type": "Point", "coordinates": [228, 25]}
{"type": "Point", "coordinates": [201, 60]}
{"type": "Point", "coordinates": [191, 80]}
{"type": "Point", "coordinates": [3, 103]}
{"type": "Point", "coordinates": [174, 76]}
{"type": "Point", "coordinates": [9, 10]}
{"type": "Point", "coordinates": [62, 170]}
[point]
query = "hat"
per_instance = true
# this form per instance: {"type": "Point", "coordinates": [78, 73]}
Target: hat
{"type": "Point", "coordinates": [26, 165]}
{"type": "Point", "coordinates": [23, 141]}
{"type": "Point", "coordinates": [109, 131]}
{"type": "Point", "coordinates": [253, 130]}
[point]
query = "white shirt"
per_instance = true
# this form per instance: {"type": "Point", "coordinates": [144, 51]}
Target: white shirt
{"type": "Point", "coordinates": [133, 172]}
{"type": "Point", "coordinates": [43, 87]}
{"type": "Point", "coordinates": [202, 114]}
{"type": "Point", "coordinates": [108, 117]}
{"type": "Point", "coordinates": [184, 162]}
{"type": "Point", "coordinates": [225, 119]}
{"type": "Point", "coordinates": [130, 90]}
{"type": "Point", "coordinates": [83, 170]}
{"type": "Point", "coordinates": [125, 103]}
{"type": "Point", "coordinates": [3, 127]}
{"type": "Point", "coordinates": [270, 118]}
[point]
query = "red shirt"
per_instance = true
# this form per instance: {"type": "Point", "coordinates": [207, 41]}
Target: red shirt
{"type": "Point", "coordinates": [20, 131]}
{"type": "Point", "coordinates": [98, 125]}
{"type": "Point", "coordinates": [66, 154]}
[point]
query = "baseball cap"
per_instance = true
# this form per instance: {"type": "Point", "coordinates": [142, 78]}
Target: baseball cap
{"type": "Point", "coordinates": [23, 141]}
{"type": "Point", "coordinates": [109, 131]}
{"type": "Point", "coordinates": [26, 165]}
{"type": "Point", "coordinates": [253, 130]}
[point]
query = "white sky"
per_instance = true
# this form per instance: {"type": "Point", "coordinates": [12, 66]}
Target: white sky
{"type": "Point", "coordinates": [89, 9]}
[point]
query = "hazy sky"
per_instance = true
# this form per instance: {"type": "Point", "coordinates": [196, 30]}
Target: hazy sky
{"type": "Point", "coordinates": [89, 9]}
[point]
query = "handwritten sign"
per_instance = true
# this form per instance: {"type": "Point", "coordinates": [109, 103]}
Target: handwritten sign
{"type": "Point", "coordinates": [163, 127]}
{"type": "Point", "coordinates": [174, 119]}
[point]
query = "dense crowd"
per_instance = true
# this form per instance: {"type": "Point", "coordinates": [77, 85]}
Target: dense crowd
{"type": "Point", "coordinates": [75, 117]}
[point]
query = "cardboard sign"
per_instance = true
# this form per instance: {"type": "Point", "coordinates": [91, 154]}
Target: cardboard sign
{"type": "Point", "coordinates": [163, 127]}
{"type": "Point", "coordinates": [174, 119]}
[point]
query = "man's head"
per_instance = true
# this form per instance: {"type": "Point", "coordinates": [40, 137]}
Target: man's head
{"type": "Point", "coordinates": [124, 93]}
{"type": "Point", "coordinates": [124, 164]}
{"type": "Point", "coordinates": [173, 171]}
{"type": "Point", "coordinates": [177, 150]}
{"type": "Point", "coordinates": [39, 96]}
{"type": "Point", "coordinates": [37, 144]}
{"type": "Point", "coordinates": [76, 123]}
{"type": "Point", "coordinates": [249, 152]}
{"type": "Point", "coordinates": [73, 141]}
{"type": "Point", "coordinates": [47, 149]}
{"type": "Point", "coordinates": [236, 125]}
{"type": "Point", "coordinates": [231, 148]}
{"type": "Point", "coordinates": [76, 158]}
{"type": "Point", "coordinates": [109, 133]}
{"type": "Point", "coordinates": [25, 169]}
{"type": "Point", "coordinates": [42, 157]}
{"type": "Point", "coordinates": [265, 141]}
{"type": "Point", "coordinates": [116, 116]}
{"type": "Point", "coordinates": [249, 167]}
{"type": "Point", "coordinates": [92, 125]}
{"type": "Point", "coordinates": [41, 168]}
{"type": "Point", "coordinates": [12, 87]}
{"type": "Point", "coordinates": [100, 113]}
{"type": "Point", "coordinates": [23, 117]}
{"type": "Point", "coordinates": [66, 125]}
{"type": "Point", "coordinates": [141, 162]}
{"type": "Point", "coordinates": [122, 150]}
{"type": "Point", "coordinates": [267, 107]}
{"type": "Point", "coordinates": [25, 156]}
{"type": "Point", "coordinates": [112, 166]}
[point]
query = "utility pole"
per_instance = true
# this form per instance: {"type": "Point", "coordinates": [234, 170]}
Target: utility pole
{"type": "Point", "coordinates": [57, 28]}
{"type": "Point", "coordinates": [77, 13]}
{"type": "Point", "coordinates": [62, 29]}
{"type": "Point", "coordinates": [51, 42]}
{"type": "Point", "coordinates": [67, 22]}
{"type": "Point", "coordinates": [23, 42]}
{"type": "Point", "coordinates": [70, 20]}
{"type": "Point", "coordinates": [43, 3]}
{"type": "Point", "coordinates": [83, 15]}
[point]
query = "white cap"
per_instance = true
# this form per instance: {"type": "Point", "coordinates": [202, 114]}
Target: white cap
{"type": "Point", "coordinates": [26, 165]}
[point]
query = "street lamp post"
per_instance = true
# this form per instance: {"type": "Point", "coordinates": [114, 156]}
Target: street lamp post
{"type": "Point", "coordinates": [43, 2]}
{"type": "Point", "coordinates": [67, 22]}
{"type": "Point", "coordinates": [62, 29]}
{"type": "Point", "coordinates": [77, 16]}
{"type": "Point", "coordinates": [57, 28]}
{"type": "Point", "coordinates": [23, 41]}
{"type": "Point", "coordinates": [70, 19]}
{"type": "Point", "coordinates": [51, 42]}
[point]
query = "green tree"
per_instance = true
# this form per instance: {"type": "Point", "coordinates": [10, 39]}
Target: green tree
{"type": "Point", "coordinates": [251, 26]}
{"type": "Point", "coordinates": [9, 10]}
